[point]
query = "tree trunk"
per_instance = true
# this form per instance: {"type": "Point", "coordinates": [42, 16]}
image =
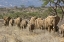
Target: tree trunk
{"type": "Point", "coordinates": [54, 8]}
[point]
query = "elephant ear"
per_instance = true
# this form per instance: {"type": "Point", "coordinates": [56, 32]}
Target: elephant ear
{"type": "Point", "coordinates": [9, 18]}
{"type": "Point", "coordinates": [35, 17]}
{"type": "Point", "coordinates": [21, 18]}
{"type": "Point", "coordinates": [4, 17]}
{"type": "Point", "coordinates": [57, 19]}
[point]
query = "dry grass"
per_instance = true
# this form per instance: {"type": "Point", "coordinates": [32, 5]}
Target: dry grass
{"type": "Point", "coordinates": [15, 34]}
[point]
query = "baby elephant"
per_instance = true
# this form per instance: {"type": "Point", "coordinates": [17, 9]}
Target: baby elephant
{"type": "Point", "coordinates": [11, 22]}
{"type": "Point", "coordinates": [62, 29]}
{"type": "Point", "coordinates": [17, 21]}
{"type": "Point", "coordinates": [23, 24]}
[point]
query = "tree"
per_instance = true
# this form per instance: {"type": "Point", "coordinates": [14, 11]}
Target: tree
{"type": "Point", "coordinates": [56, 4]}
{"type": "Point", "coordinates": [15, 7]}
{"type": "Point", "coordinates": [32, 6]}
{"type": "Point", "coordinates": [22, 6]}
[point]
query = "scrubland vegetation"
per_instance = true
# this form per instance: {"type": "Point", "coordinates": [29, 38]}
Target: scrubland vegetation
{"type": "Point", "coordinates": [27, 12]}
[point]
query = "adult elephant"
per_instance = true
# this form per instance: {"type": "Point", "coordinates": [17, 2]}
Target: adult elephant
{"type": "Point", "coordinates": [24, 23]}
{"type": "Point", "coordinates": [32, 23]}
{"type": "Point", "coordinates": [11, 22]}
{"type": "Point", "coordinates": [17, 21]}
{"type": "Point", "coordinates": [51, 22]}
{"type": "Point", "coordinates": [6, 20]}
{"type": "Point", "coordinates": [39, 23]}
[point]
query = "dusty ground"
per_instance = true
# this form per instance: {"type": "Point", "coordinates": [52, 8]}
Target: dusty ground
{"type": "Point", "coordinates": [14, 34]}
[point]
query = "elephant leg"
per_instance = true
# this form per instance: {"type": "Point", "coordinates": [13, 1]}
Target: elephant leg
{"type": "Point", "coordinates": [46, 28]}
{"type": "Point", "coordinates": [54, 29]}
{"type": "Point", "coordinates": [12, 24]}
{"type": "Point", "coordinates": [49, 29]}
{"type": "Point", "coordinates": [19, 26]}
{"type": "Point", "coordinates": [23, 27]}
{"type": "Point", "coordinates": [31, 28]}
{"type": "Point", "coordinates": [42, 27]}
{"type": "Point", "coordinates": [63, 33]}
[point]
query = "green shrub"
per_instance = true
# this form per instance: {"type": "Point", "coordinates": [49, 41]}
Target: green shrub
{"type": "Point", "coordinates": [26, 14]}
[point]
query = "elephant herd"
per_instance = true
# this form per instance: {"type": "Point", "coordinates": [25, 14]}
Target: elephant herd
{"type": "Point", "coordinates": [49, 23]}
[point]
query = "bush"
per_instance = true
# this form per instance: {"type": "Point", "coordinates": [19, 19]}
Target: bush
{"type": "Point", "coordinates": [26, 14]}
{"type": "Point", "coordinates": [1, 16]}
